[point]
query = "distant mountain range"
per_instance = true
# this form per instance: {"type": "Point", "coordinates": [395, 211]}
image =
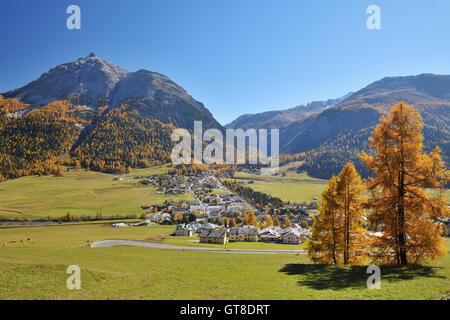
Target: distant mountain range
{"type": "Point", "coordinates": [282, 118]}
{"type": "Point", "coordinates": [333, 132]}
{"type": "Point", "coordinates": [94, 82]}
{"type": "Point", "coordinates": [337, 134]}
{"type": "Point", "coordinates": [428, 93]}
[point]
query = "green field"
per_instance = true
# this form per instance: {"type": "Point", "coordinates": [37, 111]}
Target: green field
{"type": "Point", "coordinates": [86, 193]}
{"type": "Point", "coordinates": [35, 269]}
{"type": "Point", "coordinates": [293, 187]}
{"type": "Point", "coordinates": [33, 259]}
{"type": "Point", "coordinates": [80, 192]}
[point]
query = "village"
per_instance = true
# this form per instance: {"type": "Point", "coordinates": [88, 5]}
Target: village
{"type": "Point", "coordinates": [217, 215]}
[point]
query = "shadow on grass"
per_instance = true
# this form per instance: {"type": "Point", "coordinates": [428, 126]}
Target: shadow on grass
{"type": "Point", "coordinates": [322, 277]}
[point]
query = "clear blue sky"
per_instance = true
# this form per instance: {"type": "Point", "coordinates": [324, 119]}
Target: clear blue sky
{"type": "Point", "coordinates": [236, 56]}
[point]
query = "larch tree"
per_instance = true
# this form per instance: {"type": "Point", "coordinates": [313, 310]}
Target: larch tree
{"type": "Point", "coordinates": [268, 219]}
{"type": "Point", "coordinates": [287, 223]}
{"type": "Point", "coordinates": [338, 235]}
{"type": "Point", "coordinates": [245, 219]}
{"type": "Point", "coordinates": [350, 199]}
{"type": "Point", "coordinates": [401, 208]}
{"type": "Point", "coordinates": [252, 219]}
{"type": "Point", "coordinates": [276, 222]}
{"type": "Point", "coordinates": [326, 239]}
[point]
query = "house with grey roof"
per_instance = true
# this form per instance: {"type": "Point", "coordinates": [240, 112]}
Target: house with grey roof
{"type": "Point", "coordinates": [207, 227]}
{"type": "Point", "coordinates": [218, 236]}
{"type": "Point", "coordinates": [244, 234]}
{"type": "Point", "coordinates": [184, 230]}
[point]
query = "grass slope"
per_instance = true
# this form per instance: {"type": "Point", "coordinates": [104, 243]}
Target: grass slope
{"type": "Point", "coordinates": [80, 192]}
{"type": "Point", "coordinates": [37, 271]}
{"type": "Point", "coordinates": [293, 187]}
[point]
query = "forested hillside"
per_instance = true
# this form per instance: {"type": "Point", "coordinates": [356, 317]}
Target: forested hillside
{"type": "Point", "coordinates": [32, 143]}
{"type": "Point", "coordinates": [338, 134]}
{"type": "Point", "coordinates": [38, 141]}
{"type": "Point", "coordinates": [331, 156]}
{"type": "Point", "coordinates": [120, 139]}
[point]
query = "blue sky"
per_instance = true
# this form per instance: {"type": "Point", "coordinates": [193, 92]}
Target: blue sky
{"type": "Point", "coordinates": [236, 57]}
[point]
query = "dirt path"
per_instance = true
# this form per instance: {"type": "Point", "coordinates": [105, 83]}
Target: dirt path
{"type": "Point", "coordinates": [21, 212]}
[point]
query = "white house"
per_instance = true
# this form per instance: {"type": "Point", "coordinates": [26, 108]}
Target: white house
{"type": "Point", "coordinates": [184, 230]}
{"type": "Point", "coordinates": [294, 236]}
{"type": "Point", "coordinates": [153, 216]}
{"type": "Point", "coordinates": [120, 224]}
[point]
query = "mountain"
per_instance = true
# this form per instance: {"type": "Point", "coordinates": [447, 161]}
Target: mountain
{"type": "Point", "coordinates": [93, 114]}
{"type": "Point", "coordinates": [311, 132]}
{"type": "Point", "coordinates": [282, 118]}
{"type": "Point", "coordinates": [337, 134]}
{"type": "Point", "coordinates": [95, 82]}
{"type": "Point", "coordinates": [428, 93]}
{"type": "Point", "coordinates": [424, 89]}
{"type": "Point", "coordinates": [332, 132]}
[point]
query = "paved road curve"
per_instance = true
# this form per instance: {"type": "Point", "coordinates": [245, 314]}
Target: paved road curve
{"type": "Point", "coordinates": [111, 243]}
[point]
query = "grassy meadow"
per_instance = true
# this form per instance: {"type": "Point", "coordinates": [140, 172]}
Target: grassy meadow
{"type": "Point", "coordinates": [35, 269]}
{"type": "Point", "coordinates": [34, 259]}
{"type": "Point", "coordinates": [81, 192]}
{"type": "Point", "coordinates": [87, 192]}
{"type": "Point", "coordinates": [294, 187]}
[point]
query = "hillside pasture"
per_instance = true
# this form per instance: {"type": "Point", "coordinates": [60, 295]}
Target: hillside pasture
{"type": "Point", "coordinates": [80, 192]}
{"type": "Point", "coordinates": [36, 269]}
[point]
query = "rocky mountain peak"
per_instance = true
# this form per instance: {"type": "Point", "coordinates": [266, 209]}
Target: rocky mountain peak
{"type": "Point", "coordinates": [95, 82]}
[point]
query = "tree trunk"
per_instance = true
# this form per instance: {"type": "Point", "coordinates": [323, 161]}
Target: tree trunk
{"type": "Point", "coordinates": [347, 224]}
{"type": "Point", "coordinates": [401, 206]}
{"type": "Point", "coordinates": [334, 242]}
{"type": "Point", "coordinates": [401, 222]}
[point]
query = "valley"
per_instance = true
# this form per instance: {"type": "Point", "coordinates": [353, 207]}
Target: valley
{"type": "Point", "coordinates": [84, 155]}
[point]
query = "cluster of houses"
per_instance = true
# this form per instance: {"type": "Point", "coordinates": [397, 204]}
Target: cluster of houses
{"type": "Point", "coordinates": [220, 210]}
{"type": "Point", "coordinates": [223, 205]}
{"type": "Point", "coordinates": [166, 184]}
{"type": "Point", "coordinates": [206, 203]}
{"type": "Point", "coordinates": [211, 199]}
{"type": "Point", "coordinates": [210, 233]}
{"type": "Point", "coordinates": [213, 202]}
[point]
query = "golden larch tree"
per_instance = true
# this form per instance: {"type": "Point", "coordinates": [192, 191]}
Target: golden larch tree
{"type": "Point", "coordinates": [338, 235]}
{"type": "Point", "coordinates": [326, 238]}
{"type": "Point", "coordinates": [401, 208]}
{"type": "Point", "coordinates": [268, 219]}
{"type": "Point", "coordinates": [287, 223]}
{"type": "Point", "coordinates": [350, 199]}
{"type": "Point", "coordinates": [276, 222]}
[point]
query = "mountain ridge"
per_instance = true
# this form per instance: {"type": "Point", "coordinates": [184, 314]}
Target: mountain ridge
{"type": "Point", "coordinates": [280, 118]}
{"type": "Point", "coordinates": [345, 126]}
{"type": "Point", "coordinates": [95, 82]}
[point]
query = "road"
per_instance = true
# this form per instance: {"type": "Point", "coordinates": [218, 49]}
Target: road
{"type": "Point", "coordinates": [136, 243]}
